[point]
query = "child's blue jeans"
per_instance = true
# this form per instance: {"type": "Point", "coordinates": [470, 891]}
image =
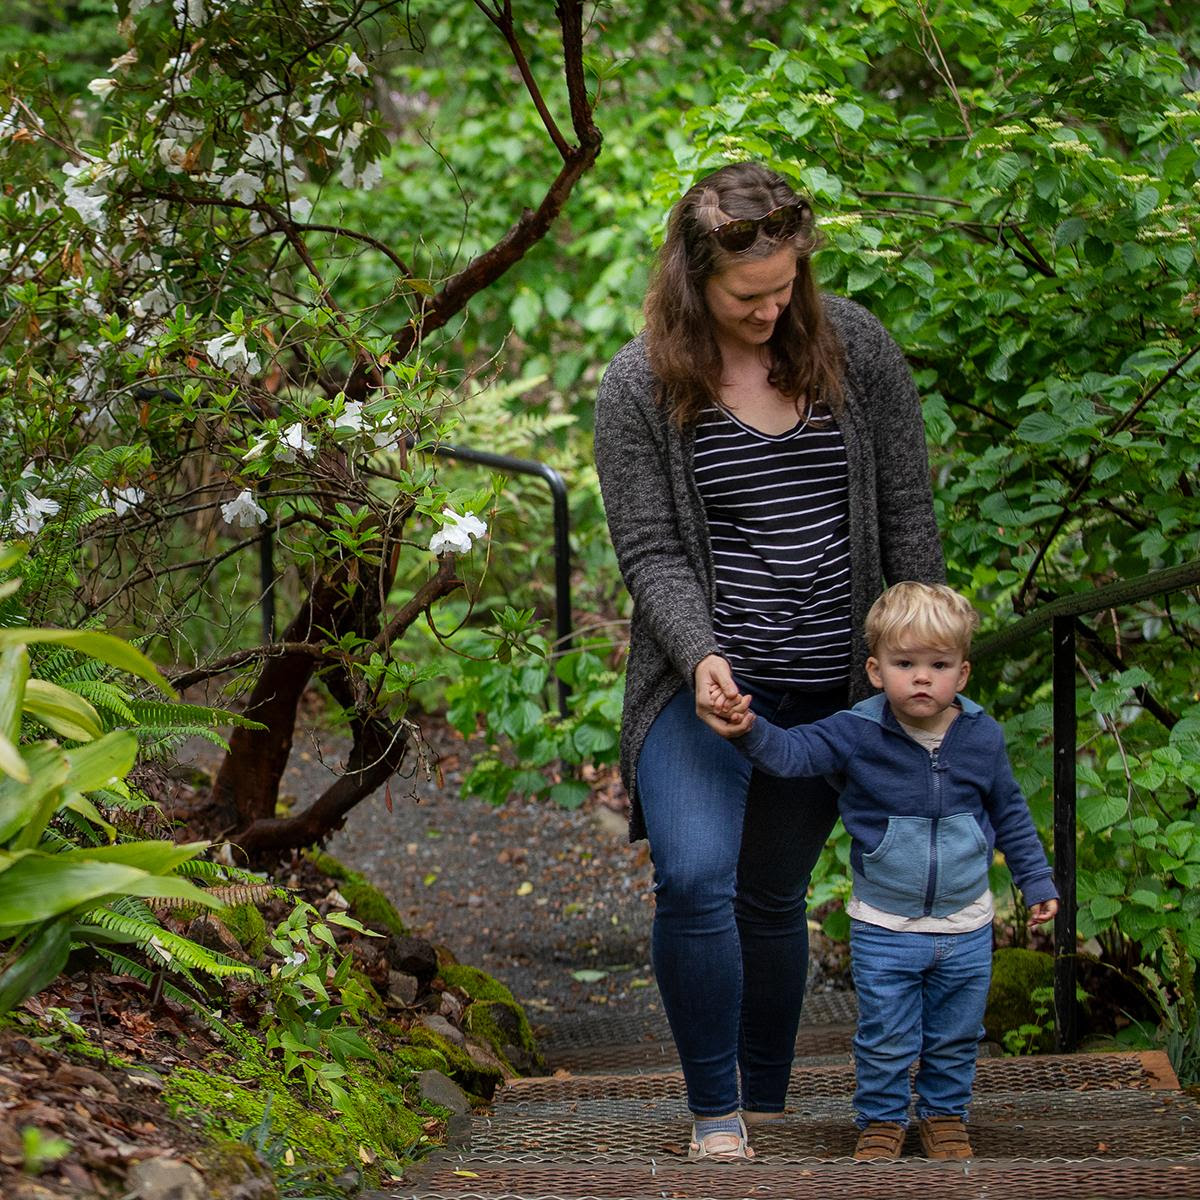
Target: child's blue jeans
{"type": "Point", "coordinates": [733, 850]}
{"type": "Point", "coordinates": [920, 995]}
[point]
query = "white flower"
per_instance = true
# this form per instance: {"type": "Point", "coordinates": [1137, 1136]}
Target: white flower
{"type": "Point", "coordinates": [351, 416]}
{"type": "Point", "coordinates": [189, 12]}
{"type": "Point", "coordinates": [102, 87]}
{"type": "Point", "coordinates": [372, 173]}
{"type": "Point", "coordinates": [292, 442]}
{"type": "Point", "coordinates": [156, 300]}
{"type": "Point", "coordinates": [356, 66]}
{"type": "Point", "coordinates": [456, 534]}
{"type": "Point", "coordinates": [240, 186]}
{"type": "Point", "coordinates": [301, 206]}
{"type": "Point", "coordinates": [126, 60]}
{"type": "Point", "coordinates": [229, 351]}
{"type": "Point", "coordinates": [171, 154]}
{"type": "Point", "coordinates": [123, 499]}
{"type": "Point", "coordinates": [32, 512]}
{"type": "Point", "coordinates": [242, 510]}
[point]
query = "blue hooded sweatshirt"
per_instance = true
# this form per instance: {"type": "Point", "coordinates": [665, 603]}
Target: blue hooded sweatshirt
{"type": "Point", "coordinates": [924, 826]}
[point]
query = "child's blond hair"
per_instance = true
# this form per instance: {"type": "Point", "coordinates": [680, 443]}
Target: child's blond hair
{"type": "Point", "coordinates": [927, 614]}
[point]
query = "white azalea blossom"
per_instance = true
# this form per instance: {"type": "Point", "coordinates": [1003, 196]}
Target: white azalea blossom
{"type": "Point", "coordinates": [30, 513]}
{"type": "Point", "coordinates": [351, 416]}
{"type": "Point", "coordinates": [457, 533]}
{"type": "Point", "coordinates": [228, 350]}
{"type": "Point", "coordinates": [292, 442]}
{"type": "Point", "coordinates": [356, 66]}
{"type": "Point", "coordinates": [243, 510]}
{"type": "Point", "coordinates": [102, 87]}
{"type": "Point", "coordinates": [241, 186]}
{"type": "Point", "coordinates": [124, 499]}
{"type": "Point", "coordinates": [154, 302]}
{"type": "Point", "coordinates": [190, 12]}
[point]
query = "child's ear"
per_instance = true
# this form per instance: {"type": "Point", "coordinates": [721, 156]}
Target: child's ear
{"type": "Point", "coordinates": [963, 675]}
{"type": "Point", "coordinates": [873, 672]}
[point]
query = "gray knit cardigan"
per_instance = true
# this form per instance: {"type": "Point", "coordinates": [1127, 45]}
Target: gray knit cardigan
{"type": "Point", "coordinates": [660, 534]}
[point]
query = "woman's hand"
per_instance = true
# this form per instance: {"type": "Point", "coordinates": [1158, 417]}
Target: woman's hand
{"type": "Point", "coordinates": [716, 693]}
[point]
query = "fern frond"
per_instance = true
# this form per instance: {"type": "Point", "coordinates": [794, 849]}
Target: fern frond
{"type": "Point", "coordinates": [135, 970]}
{"type": "Point", "coordinates": [163, 716]}
{"type": "Point", "coordinates": [104, 696]}
{"type": "Point", "coordinates": [160, 744]}
{"type": "Point", "coordinates": [234, 893]}
{"type": "Point", "coordinates": [183, 954]}
{"type": "Point", "coordinates": [217, 873]}
{"type": "Point", "coordinates": [85, 832]}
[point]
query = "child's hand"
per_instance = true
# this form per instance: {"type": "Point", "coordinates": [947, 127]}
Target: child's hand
{"type": "Point", "coordinates": [734, 717]}
{"type": "Point", "coordinates": [1039, 914]}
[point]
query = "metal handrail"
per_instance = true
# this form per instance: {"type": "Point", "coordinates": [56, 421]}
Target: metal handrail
{"type": "Point", "coordinates": [1061, 615]}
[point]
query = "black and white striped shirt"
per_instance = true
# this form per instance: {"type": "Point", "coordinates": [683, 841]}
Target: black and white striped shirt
{"type": "Point", "coordinates": [778, 517]}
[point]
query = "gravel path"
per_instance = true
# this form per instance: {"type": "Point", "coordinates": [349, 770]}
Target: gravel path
{"type": "Point", "coordinates": [555, 904]}
{"type": "Point", "coordinates": [533, 894]}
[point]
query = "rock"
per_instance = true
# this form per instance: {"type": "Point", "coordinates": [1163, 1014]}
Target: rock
{"type": "Point", "coordinates": [439, 1025]}
{"type": "Point", "coordinates": [164, 1179]}
{"type": "Point", "coordinates": [1016, 974]}
{"type": "Point", "coordinates": [451, 1007]}
{"type": "Point", "coordinates": [71, 1076]}
{"type": "Point", "coordinates": [485, 1059]}
{"type": "Point", "coordinates": [437, 1089]}
{"type": "Point", "coordinates": [402, 988]}
{"type": "Point", "coordinates": [412, 956]}
{"type": "Point", "coordinates": [211, 933]}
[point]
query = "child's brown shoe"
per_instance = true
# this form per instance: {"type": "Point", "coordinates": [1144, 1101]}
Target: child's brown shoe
{"type": "Point", "coordinates": [879, 1142]}
{"type": "Point", "coordinates": [945, 1137]}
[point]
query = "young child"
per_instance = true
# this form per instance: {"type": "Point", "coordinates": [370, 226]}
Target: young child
{"type": "Point", "coordinates": [928, 794]}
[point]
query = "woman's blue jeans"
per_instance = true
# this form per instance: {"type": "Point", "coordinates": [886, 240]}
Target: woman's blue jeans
{"type": "Point", "coordinates": [733, 850]}
{"type": "Point", "coordinates": [920, 995]}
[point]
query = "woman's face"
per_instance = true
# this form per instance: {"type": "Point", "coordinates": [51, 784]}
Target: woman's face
{"type": "Point", "coordinates": [745, 299]}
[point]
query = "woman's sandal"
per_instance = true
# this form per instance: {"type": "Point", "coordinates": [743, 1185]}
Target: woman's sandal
{"type": "Point", "coordinates": [880, 1141]}
{"type": "Point", "coordinates": [720, 1147]}
{"type": "Point", "coordinates": [945, 1137]}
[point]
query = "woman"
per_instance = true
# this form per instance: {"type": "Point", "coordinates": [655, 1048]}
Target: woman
{"type": "Point", "coordinates": [764, 470]}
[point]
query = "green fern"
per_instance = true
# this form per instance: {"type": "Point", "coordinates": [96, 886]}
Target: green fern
{"type": "Point", "coordinates": [180, 954]}
{"type": "Point", "coordinates": [106, 697]}
{"type": "Point", "coordinates": [215, 874]}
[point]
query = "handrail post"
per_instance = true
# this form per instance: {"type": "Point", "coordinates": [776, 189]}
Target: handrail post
{"type": "Point", "coordinates": [1065, 722]}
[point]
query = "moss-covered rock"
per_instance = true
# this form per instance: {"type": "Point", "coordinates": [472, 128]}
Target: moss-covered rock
{"type": "Point", "coordinates": [495, 1018]}
{"type": "Point", "coordinates": [1016, 974]}
{"type": "Point", "coordinates": [248, 926]}
{"type": "Point", "coordinates": [479, 1080]}
{"type": "Point", "coordinates": [233, 1169]}
{"type": "Point", "coordinates": [367, 903]}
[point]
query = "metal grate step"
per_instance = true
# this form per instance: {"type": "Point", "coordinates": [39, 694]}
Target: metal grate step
{"type": "Point", "coordinates": [483, 1178]}
{"type": "Point", "coordinates": [1087, 1072]}
{"type": "Point", "coordinates": [796, 1139]}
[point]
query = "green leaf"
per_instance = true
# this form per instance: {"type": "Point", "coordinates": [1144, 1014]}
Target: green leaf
{"type": "Point", "coordinates": [850, 114]}
{"type": "Point", "coordinates": [1099, 812]}
{"type": "Point", "coordinates": [1041, 427]}
{"type": "Point", "coordinates": [570, 793]}
{"type": "Point", "coordinates": [1070, 231]}
{"type": "Point", "coordinates": [14, 677]}
{"type": "Point", "coordinates": [62, 711]}
{"type": "Point", "coordinates": [103, 646]}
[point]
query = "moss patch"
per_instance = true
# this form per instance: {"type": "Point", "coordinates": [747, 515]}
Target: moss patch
{"type": "Point", "coordinates": [367, 903]}
{"type": "Point", "coordinates": [248, 926]}
{"type": "Point", "coordinates": [1016, 974]}
{"type": "Point", "coordinates": [495, 1017]}
{"type": "Point", "coordinates": [479, 1081]}
{"type": "Point", "coordinates": [376, 1117]}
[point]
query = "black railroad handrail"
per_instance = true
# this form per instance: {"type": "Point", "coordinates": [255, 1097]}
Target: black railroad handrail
{"type": "Point", "coordinates": [1061, 615]}
{"type": "Point", "coordinates": [562, 531]}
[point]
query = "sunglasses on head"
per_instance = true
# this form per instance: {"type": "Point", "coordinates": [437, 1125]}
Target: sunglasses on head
{"type": "Point", "coordinates": [779, 223]}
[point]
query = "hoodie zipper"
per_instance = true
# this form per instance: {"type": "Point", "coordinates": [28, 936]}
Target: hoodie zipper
{"type": "Point", "coordinates": [935, 768]}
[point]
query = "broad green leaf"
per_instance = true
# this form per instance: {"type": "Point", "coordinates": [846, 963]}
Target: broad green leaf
{"type": "Point", "coordinates": [570, 793]}
{"type": "Point", "coordinates": [98, 763]}
{"type": "Point", "coordinates": [40, 886]}
{"type": "Point", "coordinates": [1099, 812]}
{"type": "Point", "coordinates": [11, 762]}
{"type": "Point", "coordinates": [104, 646]}
{"type": "Point", "coordinates": [14, 679]}
{"type": "Point", "coordinates": [66, 713]}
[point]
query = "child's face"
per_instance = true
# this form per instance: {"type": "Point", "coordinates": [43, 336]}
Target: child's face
{"type": "Point", "coordinates": [920, 682]}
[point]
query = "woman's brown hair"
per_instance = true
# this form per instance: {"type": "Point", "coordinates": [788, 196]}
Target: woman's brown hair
{"type": "Point", "coordinates": [806, 358]}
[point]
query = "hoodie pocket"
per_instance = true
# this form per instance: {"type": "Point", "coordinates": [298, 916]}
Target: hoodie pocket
{"type": "Point", "coordinates": [899, 866]}
{"type": "Point", "coordinates": [963, 861]}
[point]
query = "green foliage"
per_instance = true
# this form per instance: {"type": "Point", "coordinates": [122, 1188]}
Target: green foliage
{"type": "Point", "coordinates": [315, 1034]}
{"type": "Point", "coordinates": [511, 700]}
